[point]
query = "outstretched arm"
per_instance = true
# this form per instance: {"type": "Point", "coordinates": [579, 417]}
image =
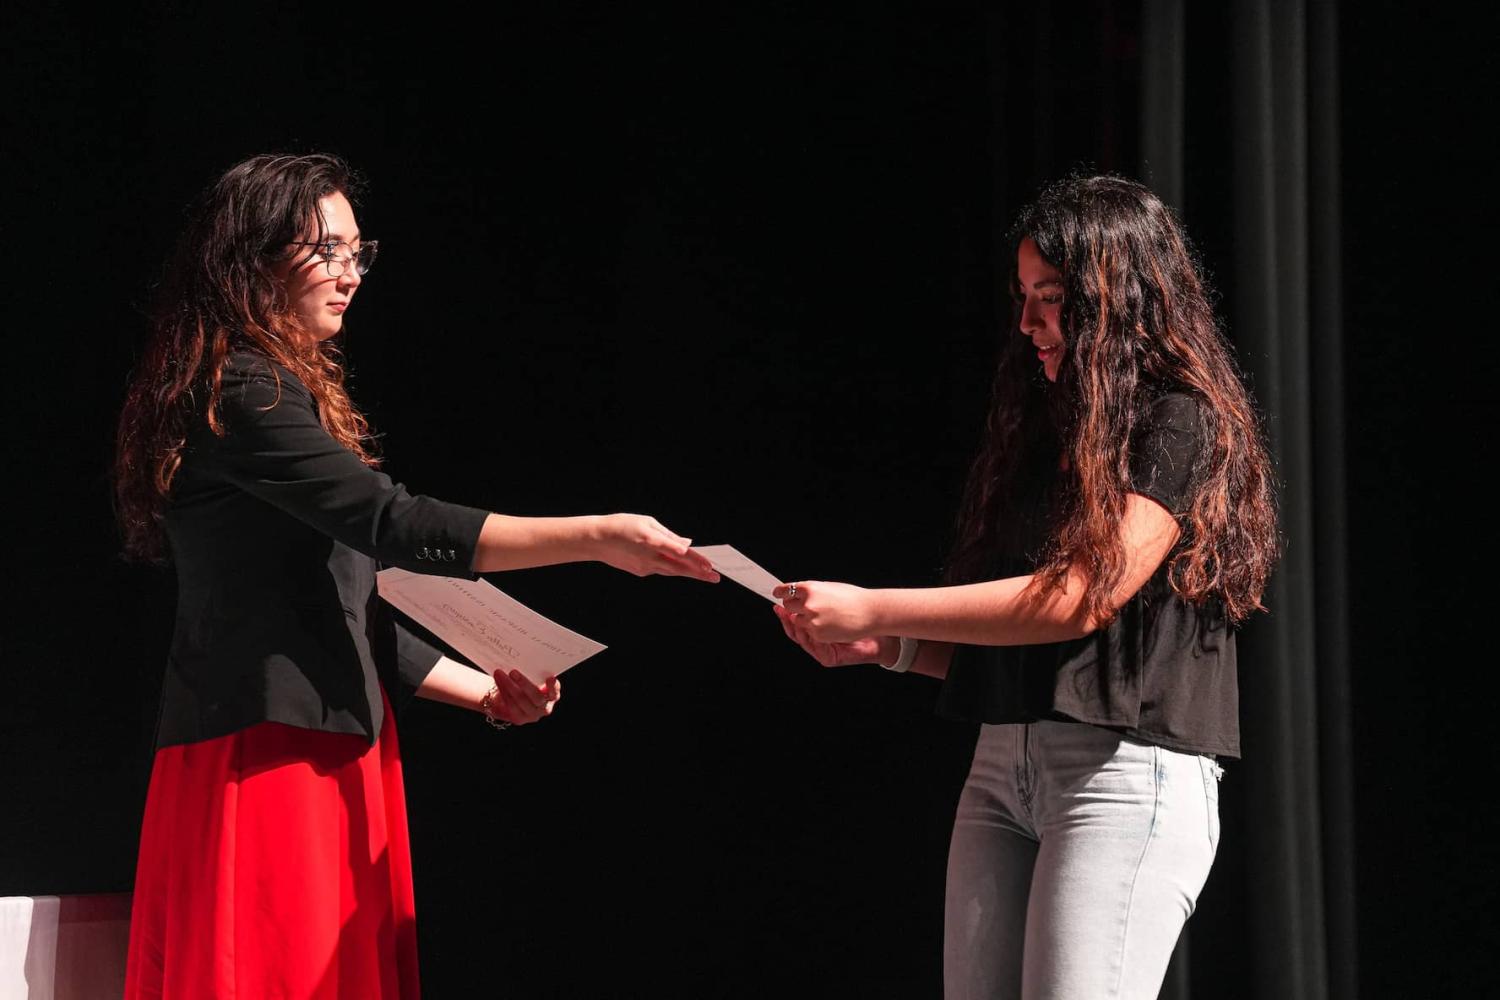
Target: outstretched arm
{"type": "Point", "coordinates": [277, 450]}
{"type": "Point", "coordinates": [634, 543]}
{"type": "Point", "coordinates": [1004, 612]}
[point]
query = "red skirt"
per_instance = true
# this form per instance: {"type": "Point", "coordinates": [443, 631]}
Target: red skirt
{"type": "Point", "coordinates": [275, 864]}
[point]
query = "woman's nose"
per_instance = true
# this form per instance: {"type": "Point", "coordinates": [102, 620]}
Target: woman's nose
{"type": "Point", "coordinates": [1030, 318]}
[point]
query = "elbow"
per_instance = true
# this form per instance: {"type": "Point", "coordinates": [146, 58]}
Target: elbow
{"type": "Point", "coordinates": [1089, 617]}
{"type": "Point", "coordinates": [1088, 621]}
{"type": "Point", "coordinates": [1064, 624]}
{"type": "Point", "coordinates": [1082, 626]}
{"type": "Point", "coordinates": [1065, 613]}
{"type": "Point", "coordinates": [1091, 624]}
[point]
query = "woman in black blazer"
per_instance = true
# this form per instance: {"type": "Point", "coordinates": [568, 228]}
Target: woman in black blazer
{"type": "Point", "coordinates": [274, 858]}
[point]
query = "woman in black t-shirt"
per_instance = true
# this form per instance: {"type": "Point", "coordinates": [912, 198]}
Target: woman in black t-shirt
{"type": "Point", "coordinates": [1118, 521]}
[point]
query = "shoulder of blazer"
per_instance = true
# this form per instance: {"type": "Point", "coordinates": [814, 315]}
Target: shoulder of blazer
{"type": "Point", "coordinates": [252, 381]}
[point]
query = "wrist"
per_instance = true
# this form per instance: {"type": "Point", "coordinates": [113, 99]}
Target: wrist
{"type": "Point", "coordinates": [489, 706]}
{"type": "Point", "coordinates": [906, 657]}
{"type": "Point", "coordinates": [878, 607]}
{"type": "Point", "coordinates": [589, 531]}
{"type": "Point", "coordinates": [888, 649]}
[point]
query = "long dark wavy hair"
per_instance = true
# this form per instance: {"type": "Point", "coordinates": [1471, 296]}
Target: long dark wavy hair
{"type": "Point", "coordinates": [221, 293]}
{"type": "Point", "coordinates": [1137, 321]}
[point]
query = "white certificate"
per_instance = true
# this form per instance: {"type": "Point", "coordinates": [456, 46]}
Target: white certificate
{"type": "Point", "coordinates": [732, 563]}
{"type": "Point", "coordinates": [496, 632]}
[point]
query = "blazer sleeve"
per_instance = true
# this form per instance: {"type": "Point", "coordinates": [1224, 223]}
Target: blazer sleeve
{"type": "Point", "coordinates": [403, 673]}
{"type": "Point", "coordinates": [275, 448]}
{"type": "Point", "coordinates": [415, 659]}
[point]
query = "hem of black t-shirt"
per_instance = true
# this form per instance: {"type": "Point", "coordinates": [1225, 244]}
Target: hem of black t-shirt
{"type": "Point", "coordinates": [1167, 743]}
{"type": "Point", "coordinates": [1215, 751]}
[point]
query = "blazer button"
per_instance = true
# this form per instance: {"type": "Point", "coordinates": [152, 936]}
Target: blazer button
{"type": "Point", "coordinates": [423, 553]}
{"type": "Point", "coordinates": [451, 556]}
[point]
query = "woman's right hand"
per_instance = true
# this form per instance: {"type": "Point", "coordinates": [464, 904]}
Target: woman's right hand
{"type": "Point", "coordinates": [881, 649]}
{"type": "Point", "coordinates": [640, 544]}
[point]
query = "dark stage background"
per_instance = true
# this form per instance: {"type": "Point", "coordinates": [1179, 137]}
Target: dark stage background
{"type": "Point", "coordinates": [740, 271]}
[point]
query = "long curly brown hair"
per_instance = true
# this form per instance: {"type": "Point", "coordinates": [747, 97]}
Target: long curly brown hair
{"type": "Point", "coordinates": [221, 293]}
{"type": "Point", "coordinates": [1138, 321]}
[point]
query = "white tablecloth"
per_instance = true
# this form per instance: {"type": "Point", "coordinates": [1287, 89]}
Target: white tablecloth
{"type": "Point", "coordinates": [63, 947]}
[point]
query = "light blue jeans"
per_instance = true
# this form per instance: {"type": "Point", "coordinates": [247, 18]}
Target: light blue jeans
{"type": "Point", "coordinates": [1077, 856]}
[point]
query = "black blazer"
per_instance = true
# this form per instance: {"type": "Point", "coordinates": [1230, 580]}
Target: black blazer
{"type": "Point", "coordinates": [275, 531]}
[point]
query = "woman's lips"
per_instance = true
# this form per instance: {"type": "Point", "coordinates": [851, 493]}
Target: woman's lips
{"type": "Point", "coordinates": [338, 307]}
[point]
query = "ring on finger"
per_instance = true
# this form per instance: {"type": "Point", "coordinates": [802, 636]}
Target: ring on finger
{"type": "Point", "coordinates": [791, 592]}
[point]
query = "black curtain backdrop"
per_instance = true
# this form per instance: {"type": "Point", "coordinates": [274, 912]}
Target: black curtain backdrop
{"type": "Point", "coordinates": [742, 270]}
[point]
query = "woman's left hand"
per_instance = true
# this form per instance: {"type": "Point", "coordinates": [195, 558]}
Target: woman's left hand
{"type": "Point", "coordinates": [519, 701]}
{"type": "Point", "coordinates": [829, 612]}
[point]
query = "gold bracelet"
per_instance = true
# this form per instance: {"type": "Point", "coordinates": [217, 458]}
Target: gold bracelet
{"type": "Point", "coordinates": [487, 706]}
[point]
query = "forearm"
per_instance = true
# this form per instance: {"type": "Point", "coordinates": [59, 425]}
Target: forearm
{"type": "Point", "coordinates": [453, 683]}
{"type": "Point", "coordinates": [1006, 612]}
{"type": "Point", "coordinates": [507, 542]}
{"type": "Point", "coordinates": [933, 659]}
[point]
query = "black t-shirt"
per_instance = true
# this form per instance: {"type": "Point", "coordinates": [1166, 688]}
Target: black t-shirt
{"type": "Point", "coordinates": [1163, 672]}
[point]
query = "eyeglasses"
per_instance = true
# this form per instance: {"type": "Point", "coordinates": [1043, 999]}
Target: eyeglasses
{"type": "Point", "coordinates": [338, 256]}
